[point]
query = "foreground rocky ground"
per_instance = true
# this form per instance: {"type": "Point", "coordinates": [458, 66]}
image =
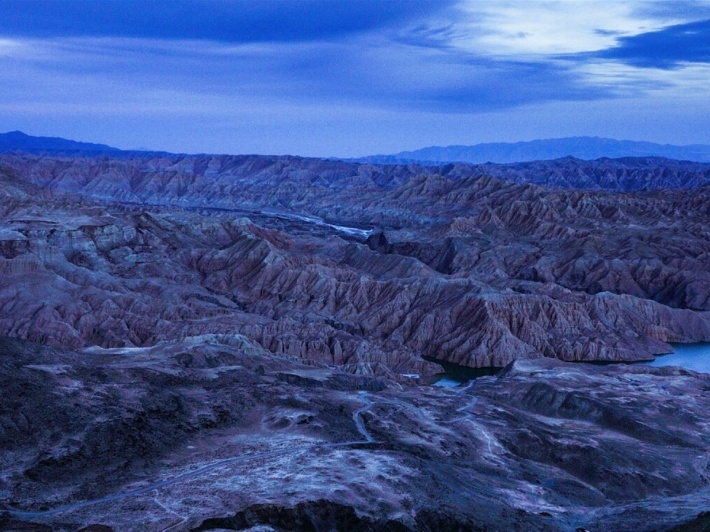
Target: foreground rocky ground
{"type": "Point", "coordinates": [200, 435]}
{"type": "Point", "coordinates": [204, 343]}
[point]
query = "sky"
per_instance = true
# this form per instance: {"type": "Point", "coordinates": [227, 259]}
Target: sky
{"type": "Point", "coordinates": [348, 78]}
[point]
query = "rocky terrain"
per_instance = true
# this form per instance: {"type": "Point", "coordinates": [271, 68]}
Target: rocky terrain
{"type": "Point", "coordinates": [359, 266]}
{"type": "Point", "coordinates": [626, 174]}
{"type": "Point", "coordinates": [222, 342]}
{"type": "Point", "coordinates": [201, 435]}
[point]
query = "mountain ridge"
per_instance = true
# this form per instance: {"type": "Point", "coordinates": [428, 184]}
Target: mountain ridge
{"type": "Point", "coordinates": [586, 148]}
{"type": "Point", "coordinates": [569, 172]}
{"type": "Point", "coordinates": [582, 148]}
{"type": "Point", "coordinates": [19, 141]}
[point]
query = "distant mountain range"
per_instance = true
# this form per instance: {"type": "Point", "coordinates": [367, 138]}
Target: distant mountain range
{"type": "Point", "coordinates": [17, 141]}
{"type": "Point", "coordinates": [585, 148]}
{"type": "Point", "coordinates": [588, 148]}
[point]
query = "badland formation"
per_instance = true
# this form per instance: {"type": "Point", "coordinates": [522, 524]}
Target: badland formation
{"type": "Point", "coordinates": [225, 342]}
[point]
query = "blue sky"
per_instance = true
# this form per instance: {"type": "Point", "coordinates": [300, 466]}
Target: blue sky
{"type": "Point", "coordinates": [353, 77]}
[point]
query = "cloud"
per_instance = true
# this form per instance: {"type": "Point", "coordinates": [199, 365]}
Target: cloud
{"type": "Point", "coordinates": [510, 28]}
{"type": "Point", "coordinates": [236, 21]}
{"type": "Point", "coordinates": [449, 82]}
{"type": "Point", "coordinates": [311, 69]}
{"type": "Point", "coordinates": [137, 73]}
{"type": "Point", "coordinates": [668, 48]}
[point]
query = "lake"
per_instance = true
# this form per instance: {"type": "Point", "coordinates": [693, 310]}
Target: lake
{"type": "Point", "coordinates": [689, 356]}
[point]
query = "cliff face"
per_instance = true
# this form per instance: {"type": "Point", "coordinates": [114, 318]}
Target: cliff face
{"type": "Point", "coordinates": [358, 266]}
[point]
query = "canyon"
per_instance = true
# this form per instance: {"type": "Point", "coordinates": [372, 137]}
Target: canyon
{"type": "Point", "coordinates": [203, 342]}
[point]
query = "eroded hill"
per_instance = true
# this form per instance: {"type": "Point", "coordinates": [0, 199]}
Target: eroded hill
{"type": "Point", "coordinates": [353, 265]}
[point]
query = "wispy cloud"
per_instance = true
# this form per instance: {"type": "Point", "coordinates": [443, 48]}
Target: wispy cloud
{"type": "Point", "coordinates": [509, 28]}
{"type": "Point", "coordinates": [539, 28]}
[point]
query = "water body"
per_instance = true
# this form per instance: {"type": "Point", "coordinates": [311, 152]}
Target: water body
{"type": "Point", "coordinates": [352, 231]}
{"type": "Point", "coordinates": [455, 375]}
{"type": "Point", "coordinates": [690, 356]}
{"type": "Point", "coordinates": [695, 357]}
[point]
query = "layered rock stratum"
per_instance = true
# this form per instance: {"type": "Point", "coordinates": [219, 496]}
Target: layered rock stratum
{"type": "Point", "coordinates": [206, 342]}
